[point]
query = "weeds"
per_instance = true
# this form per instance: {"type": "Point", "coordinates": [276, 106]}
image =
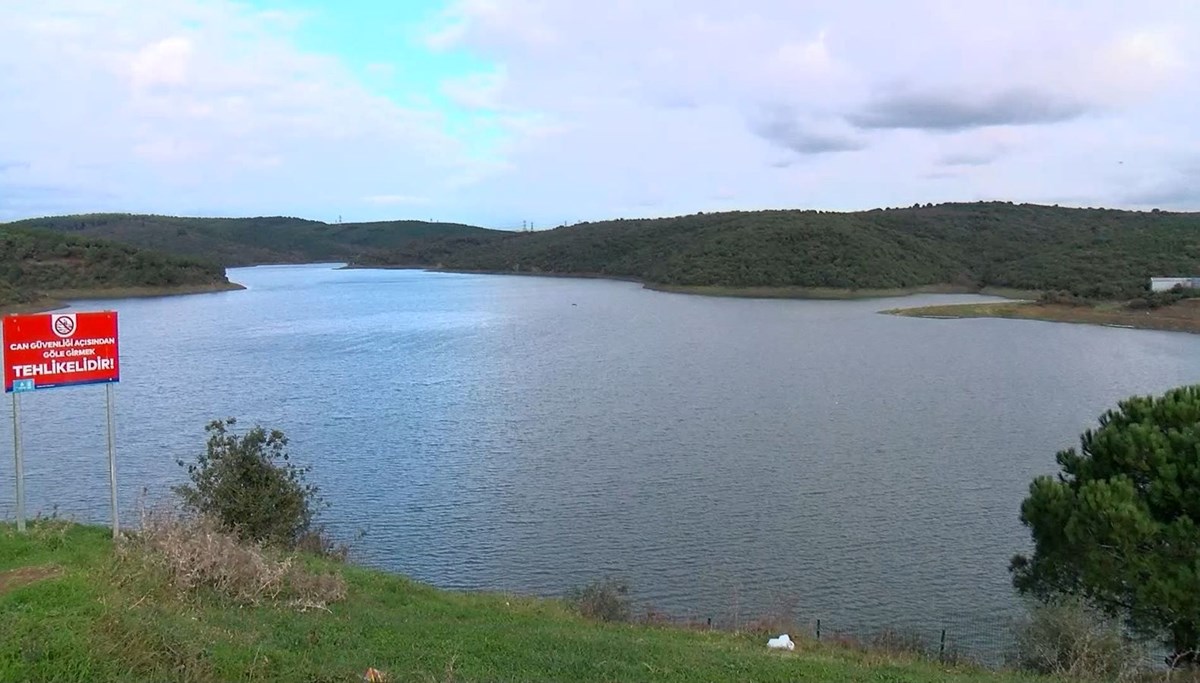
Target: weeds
{"type": "Point", "coordinates": [1069, 638]}
{"type": "Point", "coordinates": [781, 619]}
{"type": "Point", "coordinates": [196, 554]}
{"type": "Point", "coordinates": [49, 531]}
{"type": "Point", "coordinates": [898, 642]}
{"type": "Point", "coordinates": [317, 541]}
{"type": "Point", "coordinates": [604, 600]}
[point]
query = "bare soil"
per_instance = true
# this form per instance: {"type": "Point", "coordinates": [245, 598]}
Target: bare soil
{"type": "Point", "coordinates": [23, 576]}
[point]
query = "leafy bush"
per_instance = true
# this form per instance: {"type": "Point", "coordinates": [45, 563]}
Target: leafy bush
{"type": "Point", "coordinates": [196, 554]}
{"type": "Point", "coordinates": [248, 485]}
{"type": "Point", "coordinates": [1063, 298]}
{"type": "Point", "coordinates": [1152, 300]}
{"type": "Point", "coordinates": [1067, 637]}
{"type": "Point", "coordinates": [605, 600]}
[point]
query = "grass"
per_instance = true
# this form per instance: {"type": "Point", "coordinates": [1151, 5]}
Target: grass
{"type": "Point", "coordinates": [92, 618]}
{"type": "Point", "coordinates": [1181, 317]}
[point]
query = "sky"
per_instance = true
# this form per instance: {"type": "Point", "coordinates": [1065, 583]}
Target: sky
{"type": "Point", "coordinates": [545, 112]}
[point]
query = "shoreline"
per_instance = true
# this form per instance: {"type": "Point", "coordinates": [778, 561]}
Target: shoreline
{"type": "Point", "coordinates": [785, 292]}
{"type": "Point", "coordinates": [1181, 317]}
{"type": "Point", "coordinates": [57, 299]}
{"type": "Point", "coordinates": [1020, 304]}
{"type": "Point", "coordinates": [830, 293]}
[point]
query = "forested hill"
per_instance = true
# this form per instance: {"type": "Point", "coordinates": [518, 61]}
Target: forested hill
{"type": "Point", "coordinates": [35, 264]}
{"type": "Point", "coordinates": [248, 241]}
{"type": "Point", "coordinates": [1097, 253]}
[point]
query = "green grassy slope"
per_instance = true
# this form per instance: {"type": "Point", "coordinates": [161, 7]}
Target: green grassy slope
{"type": "Point", "coordinates": [35, 264]}
{"type": "Point", "coordinates": [1098, 253]}
{"type": "Point", "coordinates": [247, 241]}
{"type": "Point", "coordinates": [91, 622]}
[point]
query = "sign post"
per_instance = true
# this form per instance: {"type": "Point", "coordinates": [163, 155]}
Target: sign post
{"type": "Point", "coordinates": [112, 458]}
{"type": "Point", "coordinates": [18, 467]}
{"type": "Point", "coordinates": [50, 350]}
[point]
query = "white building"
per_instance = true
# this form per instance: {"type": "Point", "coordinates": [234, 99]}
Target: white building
{"type": "Point", "coordinates": [1162, 284]}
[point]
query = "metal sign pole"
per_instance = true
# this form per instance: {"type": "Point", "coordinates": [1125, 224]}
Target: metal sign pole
{"type": "Point", "coordinates": [112, 461]}
{"type": "Point", "coordinates": [18, 461]}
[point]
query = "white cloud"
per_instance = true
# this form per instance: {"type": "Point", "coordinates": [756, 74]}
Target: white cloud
{"type": "Point", "coordinates": [583, 110]}
{"type": "Point", "coordinates": [131, 101]}
{"type": "Point", "coordinates": [846, 104]}
{"type": "Point", "coordinates": [164, 62]}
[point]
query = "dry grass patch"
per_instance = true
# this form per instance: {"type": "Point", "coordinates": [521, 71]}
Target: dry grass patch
{"type": "Point", "coordinates": [195, 554]}
{"type": "Point", "coordinates": [1181, 317]}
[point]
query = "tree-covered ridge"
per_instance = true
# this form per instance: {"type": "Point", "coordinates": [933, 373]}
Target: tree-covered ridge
{"type": "Point", "coordinates": [248, 241]}
{"type": "Point", "coordinates": [1097, 253]}
{"type": "Point", "coordinates": [36, 262]}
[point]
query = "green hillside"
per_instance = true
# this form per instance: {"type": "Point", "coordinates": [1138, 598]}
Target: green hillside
{"type": "Point", "coordinates": [1096, 253]}
{"type": "Point", "coordinates": [76, 609]}
{"type": "Point", "coordinates": [36, 265]}
{"type": "Point", "coordinates": [248, 241]}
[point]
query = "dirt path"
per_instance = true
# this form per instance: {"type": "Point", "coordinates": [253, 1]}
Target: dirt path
{"type": "Point", "coordinates": [23, 576]}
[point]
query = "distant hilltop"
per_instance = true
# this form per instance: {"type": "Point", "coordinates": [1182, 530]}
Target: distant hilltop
{"type": "Point", "coordinates": [1090, 253]}
{"type": "Point", "coordinates": [250, 241]}
{"type": "Point", "coordinates": [1093, 253]}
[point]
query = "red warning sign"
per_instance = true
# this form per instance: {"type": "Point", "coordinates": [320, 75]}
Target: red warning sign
{"type": "Point", "coordinates": [49, 350]}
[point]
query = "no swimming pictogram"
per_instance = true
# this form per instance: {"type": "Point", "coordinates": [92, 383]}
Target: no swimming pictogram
{"type": "Point", "coordinates": [63, 324]}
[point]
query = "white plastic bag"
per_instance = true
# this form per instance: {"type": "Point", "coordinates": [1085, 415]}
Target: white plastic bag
{"type": "Point", "coordinates": [781, 643]}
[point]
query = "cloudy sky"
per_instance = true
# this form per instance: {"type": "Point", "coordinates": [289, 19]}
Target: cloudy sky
{"type": "Point", "coordinates": [497, 112]}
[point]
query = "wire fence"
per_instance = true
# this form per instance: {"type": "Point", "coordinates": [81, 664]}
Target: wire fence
{"type": "Point", "coordinates": [985, 643]}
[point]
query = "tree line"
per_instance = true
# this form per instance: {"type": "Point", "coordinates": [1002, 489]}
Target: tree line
{"type": "Point", "coordinates": [34, 262]}
{"type": "Point", "coordinates": [1090, 253]}
{"type": "Point", "coordinates": [1081, 254]}
{"type": "Point", "coordinates": [250, 241]}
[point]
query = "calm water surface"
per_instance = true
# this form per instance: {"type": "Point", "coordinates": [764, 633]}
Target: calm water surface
{"type": "Point", "coordinates": [531, 434]}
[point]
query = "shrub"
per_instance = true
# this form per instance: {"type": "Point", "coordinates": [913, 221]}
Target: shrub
{"type": "Point", "coordinates": [1152, 300]}
{"type": "Point", "coordinates": [1063, 298]}
{"type": "Point", "coordinates": [316, 541]}
{"type": "Point", "coordinates": [780, 619]}
{"type": "Point", "coordinates": [1067, 637]}
{"type": "Point", "coordinates": [196, 554]}
{"type": "Point", "coordinates": [605, 600]}
{"type": "Point", "coordinates": [247, 484]}
{"type": "Point", "coordinates": [899, 642]}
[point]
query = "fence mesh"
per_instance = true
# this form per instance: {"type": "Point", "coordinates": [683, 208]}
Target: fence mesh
{"type": "Point", "coordinates": [984, 643]}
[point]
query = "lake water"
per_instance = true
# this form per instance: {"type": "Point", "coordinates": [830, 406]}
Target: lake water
{"type": "Point", "coordinates": [726, 456]}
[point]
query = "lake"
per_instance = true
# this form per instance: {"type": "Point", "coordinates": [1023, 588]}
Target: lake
{"type": "Point", "coordinates": [726, 456]}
